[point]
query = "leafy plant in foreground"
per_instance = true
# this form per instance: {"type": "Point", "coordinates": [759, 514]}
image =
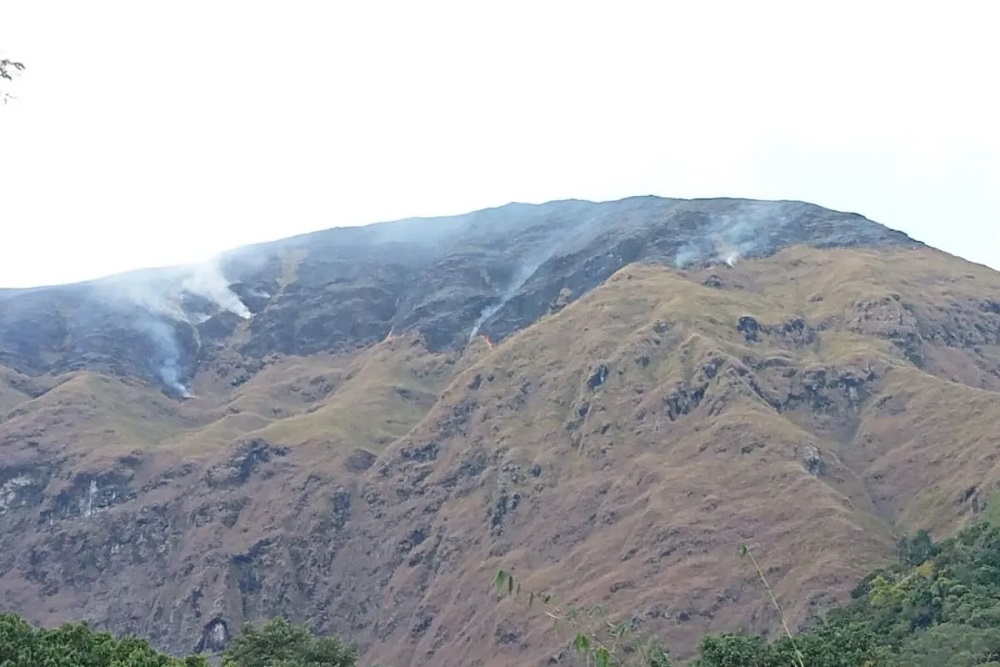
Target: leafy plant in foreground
{"type": "Point", "coordinates": [745, 551]}
{"type": "Point", "coordinates": [603, 642]}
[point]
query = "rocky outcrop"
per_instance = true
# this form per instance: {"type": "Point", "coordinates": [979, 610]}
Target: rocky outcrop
{"type": "Point", "coordinates": [22, 487]}
{"type": "Point", "coordinates": [793, 333]}
{"type": "Point", "coordinates": [893, 320]}
{"type": "Point", "coordinates": [249, 459]}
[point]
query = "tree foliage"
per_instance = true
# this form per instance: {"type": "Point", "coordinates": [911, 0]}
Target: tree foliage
{"type": "Point", "coordinates": [8, 70]}
{"type": "Point", "coordinates": [277, 643]}
{"type": "Point", "coordinates": [77, 645]}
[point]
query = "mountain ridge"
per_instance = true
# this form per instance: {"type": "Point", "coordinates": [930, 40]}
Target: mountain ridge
{"type": "Point", "coordinates": [613, 446]}
{"type": "Point", "coordinates": [497, 270]}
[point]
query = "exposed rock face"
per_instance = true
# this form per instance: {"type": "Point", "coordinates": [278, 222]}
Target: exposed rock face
{"type": "Point", "coordinates": [346, 455]}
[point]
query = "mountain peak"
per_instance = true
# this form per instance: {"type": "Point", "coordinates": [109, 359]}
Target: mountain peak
{"type": "Point", "coordinates": [493, 271]}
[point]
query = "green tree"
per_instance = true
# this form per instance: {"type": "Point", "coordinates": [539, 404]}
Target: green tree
{"type": "Point", "coordinates": [77, 645]}
{"type": "Point", "coordinates": [734, 650]}
{"type": "Point", "coordinates": [917, 549]}
{"type": "Point", "coordinates": [279, 643]}
{"type": "Point", "coordinates": [950, 645]}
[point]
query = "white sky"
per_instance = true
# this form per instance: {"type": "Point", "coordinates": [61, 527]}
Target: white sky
{"type": "Point", "coordinates": [154, 133]}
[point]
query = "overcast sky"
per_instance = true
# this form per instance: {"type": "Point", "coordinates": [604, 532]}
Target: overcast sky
{"type": "Point", "coordinates": [154, 133]}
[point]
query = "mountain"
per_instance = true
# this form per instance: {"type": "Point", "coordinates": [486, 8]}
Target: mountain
{"type": "Point", "coordinates": [358, 427]}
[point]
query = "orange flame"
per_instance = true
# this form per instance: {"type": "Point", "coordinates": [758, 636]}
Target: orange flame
{"type": "Point", "coordinates": [489, 343]}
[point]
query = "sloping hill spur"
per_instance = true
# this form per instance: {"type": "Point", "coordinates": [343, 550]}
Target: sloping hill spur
{"type": "Point", "coordinates": [397, 416]}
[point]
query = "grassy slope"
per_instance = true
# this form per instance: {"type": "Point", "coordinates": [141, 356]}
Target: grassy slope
{"type": "Point", "coordinates": [12, 390]}
{"type": "Point", "coordinates": [630, 506]}
{"type": "Point", "coordinates": [366, 400]}
{"type": "Point", "coordinates": [644, 513]}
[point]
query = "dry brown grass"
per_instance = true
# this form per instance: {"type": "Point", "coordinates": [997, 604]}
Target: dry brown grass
{"type": "Point", "coordinates": [644, 514]}
{"type": "Point", "coordinates": [628, 505]}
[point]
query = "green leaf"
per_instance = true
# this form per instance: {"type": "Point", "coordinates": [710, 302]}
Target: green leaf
{"type": "Point", "coordinates": [620, 630]}
{"type": "Point", "coordinates": [499, 580]}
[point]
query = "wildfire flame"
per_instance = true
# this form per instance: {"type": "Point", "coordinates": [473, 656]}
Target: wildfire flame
{"type": "Point", "coordinates": [489, 343]}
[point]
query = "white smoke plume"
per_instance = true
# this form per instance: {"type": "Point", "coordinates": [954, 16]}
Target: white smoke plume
{"type": "Point", "coordinates": [207, 281]}
{"type": "Point", "coordinates": [730, 237]}
{"type": "Point", "coordinates": [161, 294]}
{"type": "Point", "coordinates": [163, 338]}
{"type": "Point", "coordinates": [687, 255]}
{"type": "Point", "coordinates": [725, 252]}
{"type": "Point", "coordinates": [523, 276]}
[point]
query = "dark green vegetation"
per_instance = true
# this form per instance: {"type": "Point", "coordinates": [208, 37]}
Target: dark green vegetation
{"type": "Point", "coordinates": [938, 606]}
{"type": "Point", "coordinates": [277, 643]}
{"type": "Point", "coordinates": [77, 645]}
{"type": "Point", "coordinates": [281, 644]}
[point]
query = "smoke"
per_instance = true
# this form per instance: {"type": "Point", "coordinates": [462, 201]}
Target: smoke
{"type": "Point", "coordinates": [163, 291]}
{"type": "Point", "coordinates": [162, 298]}
{"type": "Point", "coordinates": [745, 231]}
{"type": "Point", "coordinates": [688, 254]}
{"type": "Point", "coordinates": [725, 252]}
{"type": "Point", "coordinates": [207, 281]}
{"type": "Point", "coordinates": [572, 229]}
{"type": "Point", "coordinates": [522, 276]}
{"type": "Point", "coordinates": [164, 339]}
